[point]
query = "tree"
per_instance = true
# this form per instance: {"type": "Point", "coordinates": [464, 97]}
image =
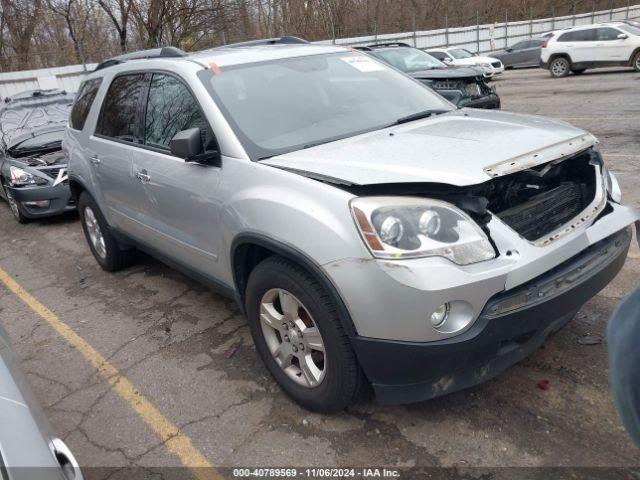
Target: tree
{"type": "Point", "coordinates": [118, 12]}
{"type": "Point", "coordinates": [76, 15]}
{"type": "Point", "coordinates": [20, 18]}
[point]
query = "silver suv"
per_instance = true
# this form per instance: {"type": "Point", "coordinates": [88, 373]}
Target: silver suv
{"type": "Point", "coordinates": [372, 233]}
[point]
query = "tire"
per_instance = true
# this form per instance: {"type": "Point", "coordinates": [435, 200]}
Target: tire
{"type": "Point", "coordinates": [579, 71]}
{"type": "Point", "coordinates": [559, 67]}
{"type": "Point", "coordinates": [16, 211]}
{"type": "Point", "coordinates": [341, 380]}
{"type": "Point", "coordinates": [635, 63]}
{"type": "Point", "coordinates": [105, 248]}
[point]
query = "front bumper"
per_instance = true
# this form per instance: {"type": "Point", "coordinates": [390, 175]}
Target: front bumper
{"type": "Point", "coordinates": [59, 197]}
{"type": "Point", "coordinates": [512, 325]}
{"type": "Point", "coordinates": [491, 101]}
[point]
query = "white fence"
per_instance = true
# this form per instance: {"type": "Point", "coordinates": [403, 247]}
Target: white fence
{"type": "Point", "coordinates": [479, 38]}
{"type": "Point", "coordinates": [489, 37]}
{"type": "Point", "coordinates": [66, 78]}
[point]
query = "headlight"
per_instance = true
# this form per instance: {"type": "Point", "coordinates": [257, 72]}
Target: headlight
{"type": "Point", "coordinates": [21, 178]}
{"type": "Point", "coordinates": [612, 185]}
{"type": "Point", "coordinates": [409, 227]}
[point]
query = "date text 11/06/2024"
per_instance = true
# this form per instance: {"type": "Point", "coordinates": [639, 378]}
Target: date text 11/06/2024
{"type": "Point", "coordinates": [316, 472]}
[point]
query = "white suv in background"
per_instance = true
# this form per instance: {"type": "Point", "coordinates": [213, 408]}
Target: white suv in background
{"type": "Point", "coordinates": [592, 46]}
{"type": "Point", "coordinates": [461, 57]}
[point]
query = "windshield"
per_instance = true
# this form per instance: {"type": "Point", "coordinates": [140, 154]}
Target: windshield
{"type": "Point", "coordinates": [46, 140]}
{"type": "Point", "coordinates": [284, 105]}
{"type": "Point", "coordinates": [460, 53]}
{"type": "Point", "coordinates": [409, 59]}
{"type": "Point", "coordinates": [630, 29]}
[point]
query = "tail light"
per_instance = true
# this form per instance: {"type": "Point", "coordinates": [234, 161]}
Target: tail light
{"type": "Point", "coordinates": [544, 45]}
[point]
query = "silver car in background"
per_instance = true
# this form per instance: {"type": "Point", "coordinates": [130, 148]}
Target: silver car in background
{"type": "Point", "coordinates": [371, 232]}
{"type": "Point", "coordinates": [28, 450]}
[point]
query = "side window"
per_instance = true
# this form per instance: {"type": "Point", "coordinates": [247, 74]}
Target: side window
{"type": "Point", "coordinates": [607, 34]}
{"type": "Point", "coordinates": [120, 109]}
{"type": "Point", "coordinates": [588, 35]}
{"type": "Point", "coordinates": [439, 55]}
{"type": "Point", "coordinates": [520, 46]}
{"type": "Point", "coordinates": [84, 100]}
{"type": "Point", "coordinates": [170, 109]}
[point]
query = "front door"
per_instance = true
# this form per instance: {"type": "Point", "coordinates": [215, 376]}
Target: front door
{"type": "Point", "coordinates": [177, 201]}
{"type": "Point", "coordinates": [611, 48]}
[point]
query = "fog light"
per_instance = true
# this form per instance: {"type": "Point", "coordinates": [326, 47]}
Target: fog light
{"type": "Point", "coordinates": [38, 203]}
{"type": "Point", "coordinates": [440, 315]}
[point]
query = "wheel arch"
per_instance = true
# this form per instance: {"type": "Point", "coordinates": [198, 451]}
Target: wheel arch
{"type": "Point", "coordinates": [249, 249]}
{"type": "Point", "coordinates": [560, 55]}
{"type": "Point", "coordinates": [633, 55]}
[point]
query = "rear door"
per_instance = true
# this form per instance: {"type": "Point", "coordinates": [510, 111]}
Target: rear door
{"type": "Point", "coordinates": [177, 201]}
{"type": "Point", "coordinates": [579, 44]}
{"type": "Point", "coordinates": [531, 53]}
{"type": "Point", "coordinates": [110, 148]}
{"type": "Point", "coordinates": [610, 48]}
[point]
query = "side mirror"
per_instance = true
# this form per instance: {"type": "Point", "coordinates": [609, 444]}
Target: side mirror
{"type": "Point", "coordinates": [623, 36]}
{"type": "Point", "coordinates": [508, 49]}
{"type": "Point", "coordinates": [187, 145]}
{"type": "Point", "coordinates": [447, 60]}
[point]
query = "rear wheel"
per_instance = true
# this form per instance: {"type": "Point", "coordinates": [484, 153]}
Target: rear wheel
{"type": "Point", "coordinates": [104, 246]}
{"type": "Point", "coordinates": [579, 71]}
{"type": "Point", "coordinates": [636, 62]}
{"type": "Point", "coordinates": [15, 207]}
{"type": "Point", "coordinates": [298, 333]}
{"type": "Point", "coordinates": [559, 67]}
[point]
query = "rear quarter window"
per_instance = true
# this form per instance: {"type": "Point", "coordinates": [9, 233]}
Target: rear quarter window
{"type": "Point", "coordinates": [82, 105]}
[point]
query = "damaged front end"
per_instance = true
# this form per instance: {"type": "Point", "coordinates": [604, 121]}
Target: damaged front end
{"type": "Point", "coordinates": [471, 92]}
{"type": "Point", "coordinates": [540, 203]}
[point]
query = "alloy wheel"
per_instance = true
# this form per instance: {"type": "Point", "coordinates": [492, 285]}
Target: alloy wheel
{"type": "Point", "coordinates": [293, 337]}
{"type": "Point", "coordinates": [559, 67]}
{"type": "Point", "coordinates": [95, 233]}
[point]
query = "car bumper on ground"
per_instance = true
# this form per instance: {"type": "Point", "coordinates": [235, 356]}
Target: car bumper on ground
{"type": "Point", "coordinates": [512, 325]}
{"type": "Point", "coordinates": [30, 198]}
{"type": "Point", "coordinates": [487, 102]}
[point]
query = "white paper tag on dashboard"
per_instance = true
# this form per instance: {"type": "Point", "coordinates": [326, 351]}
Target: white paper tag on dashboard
{"type": "Point", "coordinates": [363, 63]}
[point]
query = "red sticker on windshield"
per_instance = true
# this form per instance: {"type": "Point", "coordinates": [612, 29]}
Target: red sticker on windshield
{"type": "Point", "coordinates": [215, 68]}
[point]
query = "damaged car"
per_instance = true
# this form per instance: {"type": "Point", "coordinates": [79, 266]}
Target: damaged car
{"type": "Point", "coordinates": [463, 86]}
{"type": "Point", "coordinates": [33, 168]}
{"type": "Point", "coordinates": [372, 233]}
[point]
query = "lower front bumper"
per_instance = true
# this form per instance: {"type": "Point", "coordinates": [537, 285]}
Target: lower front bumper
{"type": "Point", "coordinates": [513, 324]}
{"type": "Point", "coordinates": [491, 101]}
{"type": "Point", "coordinates": [59, 197]}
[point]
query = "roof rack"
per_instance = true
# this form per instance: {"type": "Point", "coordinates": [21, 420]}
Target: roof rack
{"type": "Point", "coordinates": [386, 44]}
{"type": "Point", "coordinates": [163, 52]}
{"type": "Point", "coordinates": [287, 40]}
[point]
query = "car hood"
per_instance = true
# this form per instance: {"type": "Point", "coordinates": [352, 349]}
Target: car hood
{"type": "Point", "coordinates": [463, 147]}
{"type": "Point", "coordinates": [449, 72]}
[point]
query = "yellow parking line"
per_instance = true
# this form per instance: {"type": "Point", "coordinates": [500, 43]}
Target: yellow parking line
{"type": "Point", "coordinates": [176, 442]}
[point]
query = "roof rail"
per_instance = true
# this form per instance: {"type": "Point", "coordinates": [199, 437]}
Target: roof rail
{"type": "Point", "coordinates": [386, 44]}
{"type": "Point", "coordinates": [287, 40]}
{"type": "Point", "coordinates": [163, 52]}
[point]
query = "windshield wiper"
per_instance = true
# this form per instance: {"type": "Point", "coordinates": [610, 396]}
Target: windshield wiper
{"type": "Point", "coordinates": [17, 150]}
{"type": "Point", "coordinates": [419, 116]}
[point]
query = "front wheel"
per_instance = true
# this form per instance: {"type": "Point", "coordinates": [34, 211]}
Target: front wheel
{"type": "Point", "coordinates": [15, 207]}
{"type": "Point", "coordinates": [298, 333]}
{"type": "Point", "coordinates": [104, 246]}
{"type": "Point", "coordinates": [559, 67]}
{"type": "Point", "coordinates": [636, 62]}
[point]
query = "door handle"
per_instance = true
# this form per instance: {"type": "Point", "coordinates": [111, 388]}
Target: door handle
{"type": "Point", "coordinates": [95, 160]}
{"type": "Point", "coordinates": [143, 176]}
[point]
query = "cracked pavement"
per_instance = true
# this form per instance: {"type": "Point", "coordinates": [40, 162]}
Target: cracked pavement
{"type": "Point", "coordinates": [190, 353]}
